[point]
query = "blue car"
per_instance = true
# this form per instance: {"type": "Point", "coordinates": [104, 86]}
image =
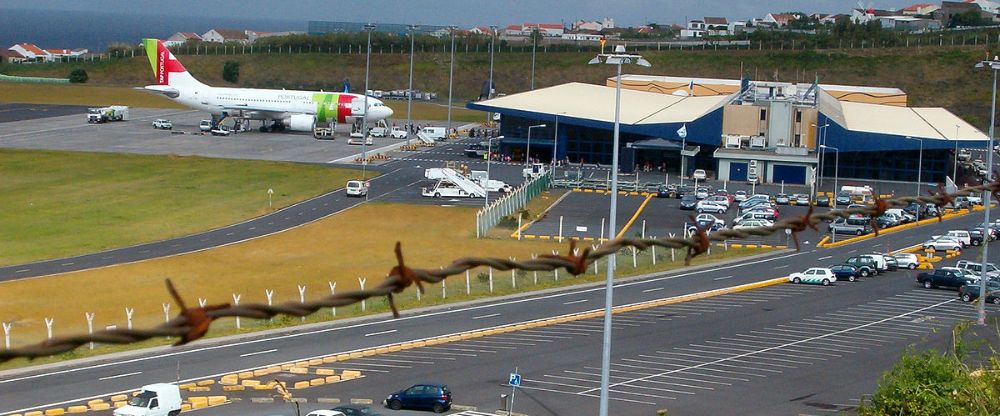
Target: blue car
{"type": "Point", "coordinates": [429, 396]}
{"type": "Point", "coordinates": [845, 272]}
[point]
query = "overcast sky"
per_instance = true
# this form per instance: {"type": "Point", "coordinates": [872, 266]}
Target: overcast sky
{"type": "Point", "coordinates": [459, 12]}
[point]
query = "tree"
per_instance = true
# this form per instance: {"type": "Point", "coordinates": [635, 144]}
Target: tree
{"type": "Point", "coordinates": [969, 17]}
{"type": "Point", "coordinates": [78, 76]}
{"type": "Point", "coordinates": [231, 71]}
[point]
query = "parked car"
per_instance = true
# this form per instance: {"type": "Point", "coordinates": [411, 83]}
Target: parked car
{"type": "Point", "coordinates": [689, 202]}
{"type": "Point", "coordinates": [720, 200]}
{"type": "Point", "coordinates": [398, 133]}
{"type": "Point", "coordinates": [969, 293]}
{"type": "Point", "coordinates": [814, 275]}
{"type": "Point", "coordinates": [782, 199]}
{"type": "Point", "coordinates": [962, 236]}
{"type": "Point", "coordinates": [324, 412]}
{"type": "Point", "coordinates": [164, 124]}
{"type": "Point", "coordinates": [221, 130]}
{"type": "Point", "coordinates": [907, 260]}
{"type": "Point", "coordinates": [950, 277]}
{"type": "Point", "coordinates": [475, 150]}
{"type": "Point", "coordinates": [701, 192]}
{"type": "Point", "coordinates": [356, 410]}
{"type": "Point", "coordinates": [356, 188]}
{"type": "Point", "coordinates": [891, 262]}
{"type": "Point", "coordinates": [866, 265]}
{"type": "Point", "coordinates": [754, 200]}
{"type": "Point", "coordinates": [753, 215]}
{"type": "Point", "coordinates": [854, 225]}
{"type": "Point", "coordinates": [684, 190]}
{"type": "Point", "coordinates": [435, 397]}
{"type": "Point", "coordinates": [752, 224]}
{"type": "Point", "coordinates": [885, 221]}
{"type": "Point", "coordinates": [710, 206]}
{"type": "Point", "coordinates": [666, 191]}
{"type": "Point", "coordinates": [724, 193]}
{"type": "Point", "coordinates": [959, 202]}
{"type": "Point", "coordinates": [768, 210]}
{"type": "Point", "coordinates": [205, 126]}
{"type": "Point", "coordinates": [740, 196]}
{"type": "Point", "coordinates": [822, 201]}
{"type": "Point", "coordinates": [975, 199]}
{"type": "Point", "coordinates": [845, 272]}
{"type": "Point", "coordinates": [942, 242]}
{"type": "Point", "coordinates": [881, 264]}
{"type": "Point", "coordinates": [699, 174]}
{"type": "Point", "coordinates": [904, 216]}
{"type": "Point", "coordinates": [708, 219]}
{"type": "Point", "coordinates": [801, 199]}
{"type": "Point", "coordinates": [844, 198]}
{"type": "Point", "coordinates": [976, 236]}
{"type": "Point", "coordinates": [977, 268]}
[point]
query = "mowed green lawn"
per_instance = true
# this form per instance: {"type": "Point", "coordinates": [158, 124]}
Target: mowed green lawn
{"type": "Point", "coordinates": [57, 204]}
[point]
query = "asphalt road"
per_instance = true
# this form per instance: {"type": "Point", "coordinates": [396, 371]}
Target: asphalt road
{"type": "Point", "coordinates": [480, 379]}
{"type": "Point", "coordinates": [21, 112]}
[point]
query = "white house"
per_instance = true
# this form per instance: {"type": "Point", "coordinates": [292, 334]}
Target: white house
{"type": "Point", "coordinates": [695, 29]}
{"type": "Point", "coordinates": [180, 37]}
{"type": "Point", "coordinates": [226, 35]}
{"type": "Point", "coordinates": [606, 23]}
{"type": "Point", "coordinates": [584, 36]}
{"type": "Point", "coordinates": [66, 53]}
{"type": "Point", "coordinates": [28, 52]}
{"type": "Point", "coordinates": [779, 19]}
{"type": "Point", "coordinates": [716, 26]}
{"type": "Point", "coordinates": [481, 30]}
{"type": "Point", "coordinates": [920, 9]}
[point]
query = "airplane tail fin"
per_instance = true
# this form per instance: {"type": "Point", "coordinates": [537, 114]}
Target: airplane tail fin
{"type": "Point", "coordinates": [166, 68]}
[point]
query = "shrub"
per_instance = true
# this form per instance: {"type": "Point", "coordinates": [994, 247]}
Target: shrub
{"type": "Point", "coordinates": [78, 76]}
{"type": "Point", "coordinates": [231, 71]}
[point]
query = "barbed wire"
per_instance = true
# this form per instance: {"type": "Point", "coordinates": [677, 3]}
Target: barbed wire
{"type": "Point", "coordinates": [193, 323]}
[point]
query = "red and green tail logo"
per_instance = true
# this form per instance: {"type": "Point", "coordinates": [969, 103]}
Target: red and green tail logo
{"type": "Point", "coordinates": [162, 61]}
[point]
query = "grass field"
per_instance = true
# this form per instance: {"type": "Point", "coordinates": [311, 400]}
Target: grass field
{"type": "Point", "coordinates": [313, 256]}
{"type": "Point", "coordinates": [58, 204]}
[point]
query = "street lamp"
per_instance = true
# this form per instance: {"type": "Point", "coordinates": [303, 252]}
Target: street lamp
{"type": "Point", "coordinates": [822, 142]}
{"type": "Point", "coordinates": [994, 65]}
{"type": "Point", "coordinates": [836, 168]}
{"type": "Point", "coordinates": [489, 91]}
{"type": "Point", "coordinates": [555, 145]}
{"type": "Point", "coordinates": [617, 58]}
{"type": "Point", "coordinates": [954, 169]}
{"type": "Point", "coordinates": [489, 157]}
{"type": "Point", "coordinates": [534, 45]}
{"type": "Point", "coordinates": [369, 27]}
{"type": "Point", "coordinates": [920, 163]}
{"type": "Point", "coordinates": [409, 92]}
{"type": "Point", "coordinates": [451, 72]}
{"type": "Point", "coordinates": [527, 151]}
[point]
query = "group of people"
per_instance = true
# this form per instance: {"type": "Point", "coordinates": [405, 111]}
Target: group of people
{"type": "Point", "coordinates": [647, 166]}
{"type": "Point", "coordinates": [484, 133]}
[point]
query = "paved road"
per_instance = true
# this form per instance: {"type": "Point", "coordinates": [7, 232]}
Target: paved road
{"type": "Point", "coordinates": [20, 112]}
{"type": "Point", "coordinates": [216, 357]}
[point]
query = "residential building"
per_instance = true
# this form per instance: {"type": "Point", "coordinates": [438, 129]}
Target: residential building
{"type": "Point", "coordinates": [920, 9]}
{"type": "Point", "coordinates": [716, 26]}
{"type": "Point", "coordinates": [780, 19]}
{"type": "Point", "coordinates": [320, 27]}
{"type": "Point", "coordinates": [526, 29]}
{"type": "Point", "coordinates": [28, 52]}
{"type": "Point", "coordinates": [909, 23]}
{"type": "Point", "coordinates": [57, 54]}
{"type": "Point", "coordinates": [180, 38]}
{"type": "Point", "coordinates": [988, 10]}
{"type": "Point", "coordinates": [226, 35]}
{"type": "Point", "coordinates": [695, 29]}
{"type": "Point", "coordinates": [480, 30]}
{"type": "Point", "coordinates": [606, 23]}
{"type": "Point", "coordinates": [582, 35]}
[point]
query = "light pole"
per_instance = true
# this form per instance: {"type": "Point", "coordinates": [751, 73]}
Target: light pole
{"type": "Point", "coordinates": [555, 145]}
{"type": "Point", "coordinates": [409, 92]}
{"type": "Point", "coordinates": [527, 151]}
{"type": "Point", "coordinates": [920, 163]}
{"type": "Point", "coordinates": [451, 72]}
{"type": "Point", "coordinates": [819, 136]}
{"type": "Point", "coordinates": [836, 168]}
{"type": "Point", "coordinates": [618, 58]}
{"type": "Point", "coordinates": [994, 65]}
{"type": "Point", "coordinates": [534, 45]}
{"type": "Point", "coordinates": [489, 157]}
{"type": "Point", "coordinates": [364, 117]}
{"type": "Point", "coordinates": [954, 169]}
{"type": "Point", "coordinates": [489, 90]}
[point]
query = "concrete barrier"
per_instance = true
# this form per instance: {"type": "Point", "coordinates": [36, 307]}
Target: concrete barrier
{"type": "Point", "coordinates": [349, 374]}
{"type": "Point", "coordinates": [285, 367]}
{"type": "Point", "coordinates": [95, 401]}
{"type": "Point", "coordinates": [249, 383]}
{"type": "Point", "coordinates": [199, 389]}
{"type": "Point", "coordinates": [298, 370]}
{"type": "Point", "coordinates": [261, 372]}
{"type": "Point", "coordinates": [198, 402]}
{"type": "Point", "coordinates": [234, 388]}
{"type": "Point", "coordinates": [317, 382]}
{"type": "Point", "coordinates": [328, 400]}
{"type": "Point", "coordinates": [186, 386]}
{"type": "Point", "coordinates": [332, 379]}
{"type": "Point", "coordinates": [204, 383]}
{"type": "Point", "coordinates": [185, 407]}
{"type": "Point", "coordinates": [302, 363]}
{"type": "Point", "coordinates": [324, 372]}
{"type": "Point", "coordinates": [33, 413]}
{"type": "Point", "coordinates": [216, 400]}
{"type": "Point", "coordinates": [329, 359]}
{"type": "Point", "coordinates": [361, 401]}
{"type": "Point", "coordinates": [301, 385]}
{"type": "Point", "coordinates": [228, 380]}
{"type": "Point", "coordinates": [55, 412]}
{"type": "Point", "coordinates": [316, 361]}
{"type": "Point", "coordinates": [245, 374]}
{"type": "Point", "coordinates": [120, 404]}
{"type": "Point", "coordinates": [97, 407]}
{"type": "Point", "coordinates": [76, 409]}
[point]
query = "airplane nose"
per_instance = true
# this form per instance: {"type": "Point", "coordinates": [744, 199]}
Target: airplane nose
{"type": "Point", "coordinates": [386, 112]}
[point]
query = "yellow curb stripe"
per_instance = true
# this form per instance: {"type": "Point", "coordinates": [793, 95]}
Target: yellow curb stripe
{"type": "Point", "coordinates": [634, 217]}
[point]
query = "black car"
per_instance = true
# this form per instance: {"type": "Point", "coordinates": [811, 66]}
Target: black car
{"type": "Point", "coordinates": [976, 236]}
{"type": "Point", "coordinates": [845, 272]}
{"type": "Point", "coordinates": [683, 190]}
{"type": "Point", "coordinates": [822, 201]}
{"type": "Point", "coordinates": [866, 265]}
{"type": "Point", "coordinates": [969, 293]}
{"type": "Point", "coordinates": [356, 410]}
{"type": "Point", "coordinates": [431, 396]}
{"type": "Point", "coordinates": [946, 277]}
{"type": "Point", "coordinates": [891, 264]}
{"type": "Point", "coordinates": [688, 202]}
{"type": "Point", "coordinates": [666, 191]}
{"type": "Point", "coordinates": [475, 150]}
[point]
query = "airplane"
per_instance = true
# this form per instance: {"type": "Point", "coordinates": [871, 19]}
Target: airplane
{"type": "Point", "coordinates": [282, 109]}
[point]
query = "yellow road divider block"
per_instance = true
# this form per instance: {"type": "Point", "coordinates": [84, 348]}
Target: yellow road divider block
{"type": "Point", "coordinates": [285, 367]}
{"type": "Point", "coordinates": [302, 364]}
{"type": "Point", "coordinates": [216, 400]}
{"type": "Point", "coordinates": [324, 372]}
{"type": "Point", "coordinates": [261, 372]}
{"type": "Point", "coordinates": [394, 348]}
{"type": "Point", "coordinates": [355, 354]}
{"type": "Point", "coordinates": [245, 374]}
{"type": "Point", "coordinates": [382, 350]}
{"type": "Point", "coordinates": [342, 357]}
{"type": "Point", "coordinates": [250, 383]}
{"type": "Point", "coordinates": [264, 387]}
{"type": "Point", "coordinates": [198, 402]}
{"type": "Point", "coordinates": [76, 409]}
{"type": "Point", "coordinates": [185, 407]}
{"type": "Point", "coordinates": [298, 370]}
{"type": "Point", "coordinates": [317, 382]}
{"type": "Point", "coordinates": [316, 361]}
{"type": "Point", "coordinates": [368, 353]}
{"type": "Point", "coordinates": [120, 404]}
{"type": "Point", "coordinates": [204, 383]}
{"type": "Point", "coordinates": [55, 412]}
{"type": "Point", "coordinates": [97, 407]}
{"type": "Point", "coordinates": [95, 401]}
{"type": "Point", "coordinates": [348, 374]}
{"type": "Point", "coordinates": [227, 380]}
{"type": "Point", "coordinates": [301, 385]}
{"type": "Point", "coordinates": [329, 359]}
{"type": "Point", "coordinates": [332, 379]}
{"type": "Point", "coordinates": [235, 388]}
{"type": "Point", "coordinates": [33, 413]}
{"type": "Point", "coordinates": [186, 386]}
{"type": "Point", "coordinates": [200, 389]}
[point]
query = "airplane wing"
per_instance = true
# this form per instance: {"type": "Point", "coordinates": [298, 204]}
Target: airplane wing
{"type": "Point", "coordinates": [255, 107]}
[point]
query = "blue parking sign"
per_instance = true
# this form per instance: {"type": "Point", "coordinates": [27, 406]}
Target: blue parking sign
{"type": "Point", "coordinates": [514, 380]}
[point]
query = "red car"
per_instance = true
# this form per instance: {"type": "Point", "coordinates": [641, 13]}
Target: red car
{"type": "Point", "coordinates": [725, 193]}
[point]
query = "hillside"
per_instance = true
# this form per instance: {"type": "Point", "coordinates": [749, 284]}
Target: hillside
{"type": "Point", "coordinates": [932, 76]}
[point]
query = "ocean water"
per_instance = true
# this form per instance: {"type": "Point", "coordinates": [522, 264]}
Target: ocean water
{"type": "Point", "coordinates": [96, 30]}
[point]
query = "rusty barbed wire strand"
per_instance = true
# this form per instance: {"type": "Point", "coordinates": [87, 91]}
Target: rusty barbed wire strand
{"type": "Point", "coordinates": [193, 323]}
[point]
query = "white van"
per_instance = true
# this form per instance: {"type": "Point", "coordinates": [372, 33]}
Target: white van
{"type": "Point", "coordinates": [961, 235]}
{"type": "Point", "coordinates": [436, 133]}
{"type": "Point", "coordinates": [160, 399]}
{"type": "Point", "coordinates": [880, 262]}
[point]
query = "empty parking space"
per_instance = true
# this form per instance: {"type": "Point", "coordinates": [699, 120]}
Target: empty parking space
{"type": "Point", "coordinates": [583, 214]}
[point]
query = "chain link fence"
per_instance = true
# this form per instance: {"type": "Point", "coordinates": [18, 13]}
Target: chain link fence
{"type": "Point", "coordinates": [510, 203]}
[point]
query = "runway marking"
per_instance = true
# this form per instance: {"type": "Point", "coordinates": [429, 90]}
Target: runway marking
{"type": "Point", "coordinates": [252, 228]}
{"type": "Point", "coordinates": [781, 267]}
{"type": "Point", "coordinates": [258, 352]}
{"type": "Point", "coordinates": [67, 264]}
{"type": "Point", "coordinates": [175, 245]}
{"type": "Point", "coordinates": [574, 302]}
{"type": "Point", "coordinates": [229, 233]}
{"type": "Point", "coordinates": [723, 278]}
{"type": "Point", "coordinates": [120, 376]}
{"type": "Point", "coordinates": [22, 271]}
{"type": "Point", "coordinates": [486, 316]}
{"type": "Point", "coordinates": [653, 290]}
{"type": "Point", "coordinates": [825, 257]}
{"type": "Point", "coordinates": [380, 333]}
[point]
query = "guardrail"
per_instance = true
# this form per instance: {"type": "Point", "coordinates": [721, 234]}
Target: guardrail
{"type": "Point", "coordinates": [510, 203]}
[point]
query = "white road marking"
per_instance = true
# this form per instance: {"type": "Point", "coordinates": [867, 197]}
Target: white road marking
{"type": "Point", "coordinates": [22, 271]}
{"type": "Point", "coordinates": [486, 316]}
{"type": "Point", "coordinates": [258, 352]}
{"type": "Point", "coordinates": [652, 290]}
{"type": "Point", "coordinates": [67, 264]}
{"type": "Point", "coordinates": [781, 267]}
{"type": "Point", "coordinates": [574, 301]}
{"type": "Point", "coordinates": [120, 376]}
{"type": "Point", "coordinates": [825, 257]}
{"type": "Point", "coordinates": [380, 333]}
{"type": "Point", "coordinates": [723, 277]}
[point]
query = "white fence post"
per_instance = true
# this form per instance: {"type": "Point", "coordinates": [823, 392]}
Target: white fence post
{"type": "Point", "coordinates": [596, 260]}
{"type": "Point", "coordinates": [302, 297]}
{"type": "Point", "coordinates": [560, 228]}
{"type": "Point", "coordinates": [128, 315]}
{"type": "Point", "coordinates": [653, 247]}
{"type": "Point", "coordinates": [513, 276]}
{"type": "Point", "coordinates": [48, 326]}
{"type": "Point", "coordinates": [6, 333]}
{"type": "Point", "coordinates": [556, 270]}
{"type": "Point", "coordinates": [672, 258]}
{"type": "Point", "coordinates": [90, 326]}
{"type": "Point", "coordinates": [361, 282]}
{"type": "Point", "coordinates": [444, 289]}
{"type": "Point", "coordinates": [634, 264]}
{"type": "Point", "coordinates": [491, 280]}
{"type": "Point", "coordinates": [236, 301]}
{"type": "Point", "coordinates": [519, 219]}
{"type": "Point", "coordinates": [601, 241]}
{"type": "Point", "coordinates": [333, 291]}
{"type": "Point", "coordinates": [270, 295]}
{"type": "Point", "coordinates": [643, 229]}
{"type": "Point", "coordinates": [468, 284]}
{"type": "Point", "coordinates": [534, 273]}
{"type": "Point", "coordinates": [202, 302]}
{"type": "Point", "coordinates": [166, 312]}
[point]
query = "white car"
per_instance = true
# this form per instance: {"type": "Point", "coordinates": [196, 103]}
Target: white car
{"type": "Point", "coordinates": [942, 242]}
{"type": "Point", "coordinates": [367, 141]}
{"type": "Point", "coordinates": [163, 124]}
{"type": "Point", "coordinates": [907, 260]}
{"type": "Point", "coordinates": [221, 131]}
{"type": "Point", "coordinates": [356, 188]}
{"type": "Point", "coordinates": [398, 133]}
{"type": "Point", "coordinates": [325, 413]}
{"type": "Point", "coordinates": [752, 224]}
{"type": "Point", "coordinates": [975, 199]}
{"type": "Point", "coordinates": [699, 174]}
{"type": "Point", "coordinates": [206, 125]}
{"type": "Point", "coordinates": [710, 206]}
{"type": "Point", "coordinates": [379, 131]}
{"type": "Point", "coordinates": [962, 236]}
{"type": "Point", "coordinates": [740, 196]}
{"type": "Point", "coordinates": [815, 275]}
{"type": "Point", "coordinates": [709, 218]}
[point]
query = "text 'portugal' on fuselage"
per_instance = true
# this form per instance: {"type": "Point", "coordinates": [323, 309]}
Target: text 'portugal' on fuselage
{"type": "Point", "coordinates": [295, 110]}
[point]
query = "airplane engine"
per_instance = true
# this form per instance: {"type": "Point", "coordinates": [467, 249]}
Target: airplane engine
{"type": "Point", "coordinates": [300, 122]}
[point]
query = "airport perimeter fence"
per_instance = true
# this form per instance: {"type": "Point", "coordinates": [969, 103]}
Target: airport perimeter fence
{"type": "Point", "coordinates": [510, 203]}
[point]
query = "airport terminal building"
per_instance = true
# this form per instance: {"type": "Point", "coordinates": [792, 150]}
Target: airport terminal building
{"type": "Point", "coordinates": [737, 130]}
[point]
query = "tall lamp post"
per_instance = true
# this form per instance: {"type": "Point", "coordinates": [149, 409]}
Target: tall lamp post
{"type": "Point", "coordinates": [527, 151]}
{"type": "Point", "coordinates": [819, 135]}
{"type": "Point", "coordinates": [534, 45]}
{"type": "Point", "coordinates": [954, 169]}
{"type": "Point", "coordinates": [409, 92]}
{"type": "Point", "coordinates": [369, 27]}
{"type": "Point", "coordinates": [617, 58]}
{"type": "Point", "coordinates": [451, 72]}
{"type": "Point", "coordinates": [489, 88]}
{"type": "Point", "coordinates": [995, 66]}
{"type": "Point", "coordinates": [920, 163]}
{"type": "Point", "coordinates": [489, 157]}
{"type": "Point", "coordinates": [836, 168]}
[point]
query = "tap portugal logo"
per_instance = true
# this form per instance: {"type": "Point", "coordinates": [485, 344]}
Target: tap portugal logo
{"type": "Point", "coordinates": [161, 60]}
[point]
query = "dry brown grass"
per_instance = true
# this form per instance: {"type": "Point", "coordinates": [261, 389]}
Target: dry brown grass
{"type": "Point", "coordinates": [81, 95]}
